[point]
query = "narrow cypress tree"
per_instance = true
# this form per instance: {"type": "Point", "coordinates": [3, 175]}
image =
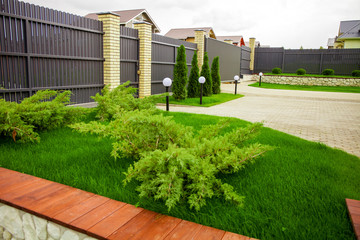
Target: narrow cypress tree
{"type": "Point", "coordinates": [180, 75]}
{"type": "Point", "coordinates": [194, 86]}
{"type": "Point", "coordinates": [205, 72]}
{"type": "Point", "coordinates": [215, 75]}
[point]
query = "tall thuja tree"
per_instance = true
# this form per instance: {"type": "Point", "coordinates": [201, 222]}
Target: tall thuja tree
{"type": "Point", "coordinates": [180, 75]}
{"type": "Point", "coordinates": [205, 72]}
{"type": "Point", "coordinates": [215, 76]}
{"type": "Point", "coordinates": [194, 86]}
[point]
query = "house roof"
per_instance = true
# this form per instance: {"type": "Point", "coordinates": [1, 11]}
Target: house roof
{"type": "Point", "coordinates": [126, 16]}
{"type": "Point", "coordinates": [349, 29]}
{"type": "Point", "coordinates": [184, 33]}
{"type": "Point", "coordinates": [235, 39]}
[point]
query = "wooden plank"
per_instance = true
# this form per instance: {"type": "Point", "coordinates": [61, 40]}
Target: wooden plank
{"type": "Point", "coordinates": [93, 217]}
{"type": "Point", "coordinates": [131, 228]}
{"type": "Point", "coordinates": [63, 202]}
{"type": "Point", "coordinates": [114, 221]}
{"type": "Point", "coordinates": [158, 228]}
{"type": "Point", "coordinates": [234, 236]}
{"type": "Point", "coordinates": [209, 233]}
{"type": "Point", "coordinates": [81, 209]}
{"type": "Point", "coordinates": [185, 230]}
{"type": "Point", "coordinates": [353, 203]}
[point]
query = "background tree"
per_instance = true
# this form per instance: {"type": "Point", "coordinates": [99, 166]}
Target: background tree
{"type": "Point", "coordinates": [180, 75]}
{"type": "Point", "coordinates": [215, 76]}
{"type": "Point", "coordinates": [205, 72]}
{"type": "Point", "coordinates": [194, 86]}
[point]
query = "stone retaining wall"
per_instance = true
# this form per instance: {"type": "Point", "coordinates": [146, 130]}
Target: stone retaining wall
{"type": "Point", "coordinates": [310, 81]}
{"type": "Point", "coordinates": [17, 225]}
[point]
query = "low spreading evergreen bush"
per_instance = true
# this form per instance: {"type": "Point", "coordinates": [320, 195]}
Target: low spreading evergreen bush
{"type": "Point", "coordinates": [173, 163]}
{"type": "Point", "coordinates": [276, 71]}
{"type": "Point", "coordinates": [355, 73]}
{"type": "Point", "coordinates": [328, 72]}
{"type": "Point", "coordinates": [44, 110]}
{"type": "Point", "coordinates": [301, 71]}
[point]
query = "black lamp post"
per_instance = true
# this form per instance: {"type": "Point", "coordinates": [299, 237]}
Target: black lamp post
{"type": "Point", "coordinates": [260, 74]}
{"type": "Point", "coordinates": [236, 78]}
{"type": "Point", "coordinates": [201, 81]}
{"type": "Point", "coordinates": [167, 83]}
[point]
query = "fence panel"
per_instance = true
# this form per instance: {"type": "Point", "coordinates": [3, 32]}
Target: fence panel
{"type": "Point", "coordinates": [129, 56]}
{"type": "Point", "coordinates": [229, 57]}
{"type": "Point", "coordinates": [245, 60]}
{"type": "Point", "coordinates": [164, 53]}
{"type": "Point", "coordinates": [343, 61]}
{"type": "Point", "coordinates": [41, 48]}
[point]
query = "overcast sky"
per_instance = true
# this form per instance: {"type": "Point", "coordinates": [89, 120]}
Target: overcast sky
{"type": "Point", "coordinates": [278, 23]}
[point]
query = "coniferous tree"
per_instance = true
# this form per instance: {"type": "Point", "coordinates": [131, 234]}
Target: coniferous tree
{"type": "Point", "coordinates": [194, 86]}
{"type": "Point", "coordinates": [215, 76]}
{"type": "Point", "coordinates": [180, 75]}
{"type": "Point", "coordinates": [205, 72]}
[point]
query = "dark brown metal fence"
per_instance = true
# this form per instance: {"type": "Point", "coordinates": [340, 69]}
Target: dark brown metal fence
{"type": "Point", "coordinates": [233, 60]}
{"type": "Point", "coordinates": [129, 56]}
{"type": "Point", "coordinates": [164, 53]}
{"type": "Point", "coordinates": [41, 48]}
{"type": "Point", "coordinates": [343, 61]}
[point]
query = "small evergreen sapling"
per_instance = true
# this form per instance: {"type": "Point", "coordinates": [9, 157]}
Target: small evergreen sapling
{"type": "Point", "coordinates": [205, 72]}
{"type": "Point", "coordinates": [215, 75]}
{"type": "Point", "coordinates": [194, 86]}
{"type": "Point", "coordinates": [180, 75]}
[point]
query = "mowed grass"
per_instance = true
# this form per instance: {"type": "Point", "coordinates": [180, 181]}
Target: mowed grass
{"type": "Point", "coordinates": [307, 88]}
{"type": "Point", "coordinates": [296, 191]}
{"type": "Point", "coordinates": [212, 100]}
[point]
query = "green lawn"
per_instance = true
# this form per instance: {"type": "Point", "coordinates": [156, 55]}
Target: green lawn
{"type": "Point", "coordinates": [296, 191]}
{"type": "Point", "coordinates": [215, 99]}
{"type": "Point", "coordinates": [308, 88]}
{"type": "Point", "coordinates": [310, 75]}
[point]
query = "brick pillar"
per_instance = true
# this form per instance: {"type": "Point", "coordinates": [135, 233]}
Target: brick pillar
{"type": "Point", "coordinates": [111, 48]}
{"type": "Point", "coordinates": [228, 41]}
{"type": "Point", "coordinates": [200, 41]}
{"type": "Point", "coordinates": [252, 53]}
{"type": "Point", "coordinates": [145, 36]}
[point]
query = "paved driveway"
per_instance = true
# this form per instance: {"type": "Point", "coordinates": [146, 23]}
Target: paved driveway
{"type": "Point", "coordinates": [330, 118]}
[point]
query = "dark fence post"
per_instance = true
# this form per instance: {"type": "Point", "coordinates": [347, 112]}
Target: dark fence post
{"type": "Point", "coordinates": [28, 59]}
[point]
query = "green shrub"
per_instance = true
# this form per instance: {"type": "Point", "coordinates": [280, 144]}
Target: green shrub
{"type": "Point", "coordinates": [173, 164]}
{"type": "Point", "coordinates": [194, 86]}
{"type": "Point", "coordinates": [180, 75]}
{"type": "Point", "coordinates": [205, 72]}
{"type": "Point", "coordinates": [328, 72]}
{"type": "Point", "coordinates": [276, 71]}
{"type": "Point", "coordinates": [355, 73]}
{"type": "Point", "coordinates": [21, 121]}
{"type": "Point", "coordinates": [215, 76]}
{"type": "Point", "coordinates": [301, 71]}
{"type": "Point", "coordinates": [119, 99]}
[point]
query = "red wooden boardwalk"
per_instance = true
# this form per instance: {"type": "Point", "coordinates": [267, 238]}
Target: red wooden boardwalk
{"type": "Point", "coordinates": [97, 216]}
{"type": "Point", "coordinates": [354, 212]}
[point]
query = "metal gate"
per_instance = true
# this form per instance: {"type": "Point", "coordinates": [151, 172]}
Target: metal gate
{"type": "Point", "coordinates": [129, 56]}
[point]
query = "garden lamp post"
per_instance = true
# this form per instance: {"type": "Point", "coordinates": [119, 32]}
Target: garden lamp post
{"type": "Point", "coordinates": [236, 78]}
{"type": "Point", "coordinates": [260, 74]}
{"type": "Point", "coordinates": [167, 83]}
{"type": "Point", "coordinates": [201, 81]}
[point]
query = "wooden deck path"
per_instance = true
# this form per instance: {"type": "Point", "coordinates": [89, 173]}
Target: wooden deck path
{"type": "Point", "coordinates": [97, 216]}
{"type": "Point", "coordinates": [354, 212]}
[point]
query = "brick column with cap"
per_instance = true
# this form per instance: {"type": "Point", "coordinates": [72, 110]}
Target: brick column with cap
{"type": "Point", "coordinates": [145, 36]}
{"type": "Point", "coordinates": [252, 53]}
{"type": "Point", "coordinates": [200, 41]}
{"type": "Point", "coordinates": [111, 48]}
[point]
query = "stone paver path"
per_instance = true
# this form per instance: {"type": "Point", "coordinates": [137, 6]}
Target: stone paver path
{"type": "Point", "coordinates": [329, 118]}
